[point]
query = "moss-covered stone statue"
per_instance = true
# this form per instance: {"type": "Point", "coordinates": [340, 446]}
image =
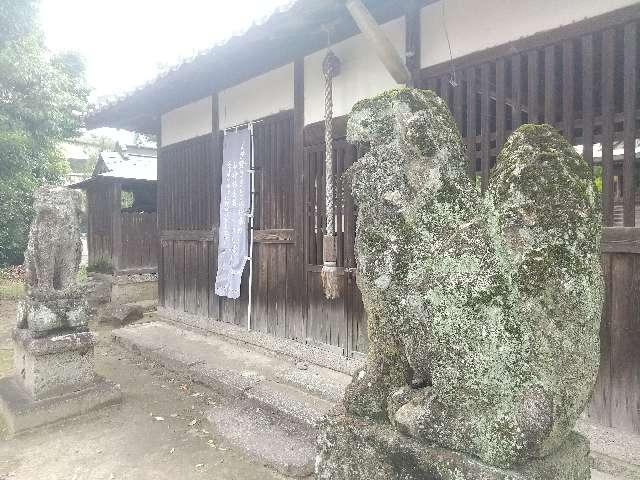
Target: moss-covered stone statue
{"type": "Point", "coordinates": [483, 310]}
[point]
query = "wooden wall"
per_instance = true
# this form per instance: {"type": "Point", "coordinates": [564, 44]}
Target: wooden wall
{"type": "Point", "coordinates": [139, 249]}
{"type": "Point", "coordinates": [616, 397]}
{"type": "Point", "coordinates": [125, 239]}
{"type": "Point", "coordinates": [189, 242]}
{"type": "Point", "coordinates": [340, 323]}
{"type": "Point", "coordinates": [101, 199]}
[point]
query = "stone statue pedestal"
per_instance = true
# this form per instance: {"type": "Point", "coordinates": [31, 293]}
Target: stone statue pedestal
{"type": "Point", "coordinates": [353, 448]}
{"type": "Point", "coordinates": [55, 379]}
{"type": "Point", "coordinates": [53, 365]}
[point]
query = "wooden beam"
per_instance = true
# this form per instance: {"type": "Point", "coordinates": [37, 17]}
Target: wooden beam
{"type": "Point", "coordinates": [587, 98]}
{"type": "Point", "coordinates": [216, 161]}
{"type": "Point", "coordinates": [282, 235]}
{"type": "Point", "coordinates": [116, 227]}
{"type": "Point", "coordinates": [630, 91]}
{"type": "Point", "coordinates": [607, 92]}
{"type": "Point", "coordinates": [620, 240]}
{"type": "Point", "coordinates": [383, 47]}
{"type": "Point", "coordinates": [189, 235]}
{"type": "Point", "coordinates": [516, 91]}
{"type": "Point", "coordinates": [533, 100]}
{"type": "Point", "coordinates": [500, 103]}
{"type": "Point", "coordinates": [484, 127]}
{"type": "Point", "coordinates": [568, 90]}
{"type": "Point", "coordinates": [413, 42]}
{"type": "Point", "coordinates": [299, 277]}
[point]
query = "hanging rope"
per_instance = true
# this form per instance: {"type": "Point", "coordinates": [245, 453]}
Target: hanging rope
{"type": "Point", "coordinates": [331, 281]}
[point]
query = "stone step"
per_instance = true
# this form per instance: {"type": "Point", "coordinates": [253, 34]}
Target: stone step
{"type": "Point", "coordinates": [225, 364]}
{"type": "Point", "coordinates": [273, 403]}
{"type": "Point", "coordinates": [284, 446]}
{"type": "Point", "coordinates": [147, 306]}
{"type": "Point", "coordinates": [614, 453]}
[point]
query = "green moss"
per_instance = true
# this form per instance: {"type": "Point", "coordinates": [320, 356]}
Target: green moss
{"type": "Point", "coordinates": [490, 306]}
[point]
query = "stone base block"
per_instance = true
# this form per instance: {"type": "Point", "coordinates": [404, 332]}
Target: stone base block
{"type": "Point", "coordinates": [22, 413]}
{"type": "Point", "coordinates": [43, 311]}
{"type": "Point", "coordinates": [54, 365]}
{"type": "Point", "coordinates": [352, 449]}
{"type": "Point", "coordinates": [134, 288]}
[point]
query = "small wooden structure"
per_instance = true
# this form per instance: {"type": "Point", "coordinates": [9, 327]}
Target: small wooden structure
{"type": "Point", "coordinates": [122, 232]}
{"type": "Point", "coordinates": [576, 68]}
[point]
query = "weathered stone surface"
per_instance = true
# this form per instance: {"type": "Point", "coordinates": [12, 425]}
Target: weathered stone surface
{"type": "Point", "coordinates": [120, 315]}
{"type": "Point", "coordinates": [483, 311]}
{"type": "Point", "coordinates": [54, 365]}
{"type": "Point", "coordinates": [55, 247]}
{"type": "Point", "coordinates": [99, 289]}
{"type": "Point", "coordinates": [47, 310]}
{"type": "Point", "coordinates": [362, 449]}
{"type": "Point", "coordinates": [21, 412]}
{"type": "Point", "coordinates": [134, 288]}
{"type": "Point", "coordinates": [54, 300]}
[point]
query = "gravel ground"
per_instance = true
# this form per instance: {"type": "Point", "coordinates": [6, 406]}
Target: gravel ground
{"type": "Point", "coordinates": [158, 433]}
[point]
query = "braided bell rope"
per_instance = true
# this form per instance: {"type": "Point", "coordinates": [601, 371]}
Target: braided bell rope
{"type": "Point", "coordinates": [330, 69]}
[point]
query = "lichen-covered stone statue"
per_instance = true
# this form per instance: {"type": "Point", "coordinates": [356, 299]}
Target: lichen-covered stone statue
{"type": "Point", "coordinates": [483, 311]}
{"type": "Point", "coordinates": [54, 299]}
{"type": "Point", "coordinates": [54, 360]}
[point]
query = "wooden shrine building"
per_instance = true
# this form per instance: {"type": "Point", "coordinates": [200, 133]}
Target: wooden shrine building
{"type": "Point", "coordinates": [572, 64]}
{"type": "Point", "coordinates": [122, 234]}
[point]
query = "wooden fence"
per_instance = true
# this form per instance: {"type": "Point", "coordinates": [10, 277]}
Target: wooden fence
{"type": "Point", "coordinates": [139, 249]}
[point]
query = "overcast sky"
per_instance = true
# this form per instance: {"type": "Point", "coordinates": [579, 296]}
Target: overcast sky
{"type": "Point", "coordinates": [126, 43]}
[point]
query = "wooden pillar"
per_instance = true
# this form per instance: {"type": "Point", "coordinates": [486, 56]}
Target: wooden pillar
{"type": "Point", "coordinates": [300, 274]}
{"type": "Point", "coordinates": [413, 41]}
{"type": "Point", "coordinates": [116, 227]}
{"type": "Point", "coordinates": [216, 163]}
{"type": "Point", "coordinates": [215, 174]}
{"type": "Point", "coordinates": [607, 92]}
{"type": "Point", "coordinates": [160, 212]}
{"type": "Point", "coordinates": [630, 91]}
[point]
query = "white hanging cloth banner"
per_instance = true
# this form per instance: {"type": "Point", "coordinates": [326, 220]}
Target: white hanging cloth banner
{"type": "Point", "coordinates": [235, 201]}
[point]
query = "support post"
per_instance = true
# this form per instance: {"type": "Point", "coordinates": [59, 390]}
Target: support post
{"type": "Point", "coordinates": [379, 41]}
{"type": "Point", "coordinates": [413, 42]}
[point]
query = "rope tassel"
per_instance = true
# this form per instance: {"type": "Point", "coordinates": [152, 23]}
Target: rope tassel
{"type": "Point", "coordinates": [331, 280]}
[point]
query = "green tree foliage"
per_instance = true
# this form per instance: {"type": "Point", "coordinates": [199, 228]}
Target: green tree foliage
{"type": "Point", "coordinates": [42, 96]}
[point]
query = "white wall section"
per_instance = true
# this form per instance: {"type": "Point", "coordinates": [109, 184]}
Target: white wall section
{"type": "Point", "coordinates": [259, 97]}
{"type": "Point", "coordinates": [363, 74]}
{"type": "Point", "coordinates": [478, 25]}
{"type": "Point", "coordinates": [189, 121]}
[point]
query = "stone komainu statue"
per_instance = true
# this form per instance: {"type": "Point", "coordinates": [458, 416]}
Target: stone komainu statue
{"type": "Point", "coordinates": [483, 311]}
{"type": "Point", "coordinates": [54, 250]}
{"type": "Point", "coordinates": [54, 300]}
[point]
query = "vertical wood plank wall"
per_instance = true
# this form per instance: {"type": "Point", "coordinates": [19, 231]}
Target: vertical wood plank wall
{"type": "Point", "coordinates": [100, 204]}
{"type": "Point", "coordinates": [189, 202]}
{"type": "Point", "coordinates": [584, 81]}
{"type": "Point", "coordinates": [140, 241]}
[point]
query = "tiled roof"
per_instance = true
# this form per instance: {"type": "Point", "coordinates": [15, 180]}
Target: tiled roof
{"type": "Point", "coordinates": [280, 9]}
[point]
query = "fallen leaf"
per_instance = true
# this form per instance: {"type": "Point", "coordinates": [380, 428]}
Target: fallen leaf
{"type": "Point", "coordinates": [159, 419]}
{"type": "Point", "coordinates": [193, 422]}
